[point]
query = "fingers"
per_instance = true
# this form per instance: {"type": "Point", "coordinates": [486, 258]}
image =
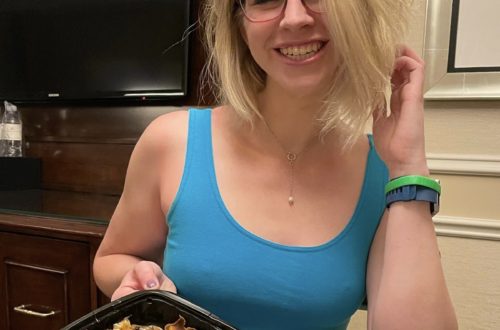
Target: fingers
{"type": "Point", "coordinates": [122, 291]}
{"type": "Point", "coordinates": [409, 64]}
{"type": "Point", "coordinates": [404, 50]}
{"type": "Point", "coordinates": [165, 282]}
{"type": "Point", "coordinates": [407, 59]}
{"type": "Point", "coordinates": [147, 275]}
{"type": "Point", "coordinates": [152, 279]}
{"type": "Point", "coordinates": [408, 71]}
{"type": "Point", "coordinates": [168, 285]}
{"type": "Point", "coordinates": [127, 286]}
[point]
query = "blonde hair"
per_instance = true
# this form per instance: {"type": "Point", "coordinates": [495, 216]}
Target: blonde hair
{"type": "Point", "coordinates": [366, 35]}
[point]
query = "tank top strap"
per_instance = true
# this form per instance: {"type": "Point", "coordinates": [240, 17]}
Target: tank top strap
{"type": "Point", "coordinates": [199, 142]}
{"type": "Point", "coordinates": [199, 131]}
{"type": "Point", "coordinates": [370, 140]}
{"type": "Point", "coordinates": [196, 174]}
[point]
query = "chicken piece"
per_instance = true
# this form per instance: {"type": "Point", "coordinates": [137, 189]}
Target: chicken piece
{"type": "Point", "coordinates": [123, 325]}
{"type": "Point", "coordinates": [126, 325]}
{"type": "Point", "coordinates": [180, 324]}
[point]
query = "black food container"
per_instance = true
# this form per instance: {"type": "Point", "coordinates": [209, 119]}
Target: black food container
{"type": "Point", "coordinates": [151, 307]}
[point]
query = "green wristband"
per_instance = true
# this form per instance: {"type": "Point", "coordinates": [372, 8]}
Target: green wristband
{"type": "Point", "coordinates": [409, 180]}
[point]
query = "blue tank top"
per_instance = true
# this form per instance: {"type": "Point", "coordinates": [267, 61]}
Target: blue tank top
{"type": "Point", "coordinates": [254, 283]}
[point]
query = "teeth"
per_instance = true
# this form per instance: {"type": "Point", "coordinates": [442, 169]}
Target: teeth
{"type": "Point", "coordinates": [301, 52]}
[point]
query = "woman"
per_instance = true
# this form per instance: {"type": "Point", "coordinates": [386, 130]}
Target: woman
{"type": "Point", "coordinates": [269, 210]}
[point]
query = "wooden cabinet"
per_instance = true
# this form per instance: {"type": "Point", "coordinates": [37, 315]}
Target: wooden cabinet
{"type": "Point", "coordinates": [46, 271]}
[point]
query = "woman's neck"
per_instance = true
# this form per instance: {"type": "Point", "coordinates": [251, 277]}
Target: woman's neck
{"type": "Point", "coordinates": [290, 119]}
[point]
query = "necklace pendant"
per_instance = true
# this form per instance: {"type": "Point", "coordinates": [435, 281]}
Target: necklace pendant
{"type": "Point", "coordinates": [291, 200]}
{"type": "Point", "coordinates": [291, 156]}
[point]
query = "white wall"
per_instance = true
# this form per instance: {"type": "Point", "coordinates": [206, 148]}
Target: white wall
{"type": "Point", "coordinates": [463, 147]}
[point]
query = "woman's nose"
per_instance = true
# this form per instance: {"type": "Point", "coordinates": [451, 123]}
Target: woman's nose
{"type": "Point", "coordinates": [296, 15]}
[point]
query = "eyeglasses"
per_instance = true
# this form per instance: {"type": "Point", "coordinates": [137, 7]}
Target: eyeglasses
{"type": "Point", "coordinates": [267, 10]}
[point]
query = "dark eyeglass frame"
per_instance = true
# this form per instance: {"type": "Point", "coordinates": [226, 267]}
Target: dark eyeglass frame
{"type": "Point", "coordinates": [241, 4]}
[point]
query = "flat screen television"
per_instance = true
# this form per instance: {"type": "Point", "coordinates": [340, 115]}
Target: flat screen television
{"type": "Point", "coordinates": [93, 49]}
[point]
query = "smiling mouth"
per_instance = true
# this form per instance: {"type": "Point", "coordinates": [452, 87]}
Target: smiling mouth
{"type": "Point", "coordinates": [303, 52]}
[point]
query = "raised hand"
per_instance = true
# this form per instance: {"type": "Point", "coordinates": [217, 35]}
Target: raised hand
{"type": "Point", "coordinates": [399, 137]}
{"type": "Point", "coordinates": [145, 275]}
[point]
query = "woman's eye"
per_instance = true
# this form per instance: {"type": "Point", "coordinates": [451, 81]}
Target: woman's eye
{"type": "Point", "coordinates": [261, 2]}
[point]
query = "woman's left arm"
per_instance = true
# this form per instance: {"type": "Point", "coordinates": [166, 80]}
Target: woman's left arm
{"type": "Point", "coordinates": [405, 280]}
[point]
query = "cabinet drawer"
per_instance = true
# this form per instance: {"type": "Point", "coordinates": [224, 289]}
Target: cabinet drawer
{"type": "Point", "coordinates": [46, 281]}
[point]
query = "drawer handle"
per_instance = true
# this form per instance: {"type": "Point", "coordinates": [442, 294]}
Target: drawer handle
{"type": "Point", "coordinates": [24, 309]}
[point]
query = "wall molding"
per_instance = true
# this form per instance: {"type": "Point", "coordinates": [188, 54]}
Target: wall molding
{"type": "Point", "coordinates": [473, 165]}
{"type": "Point", "coordinates": [475, 228]}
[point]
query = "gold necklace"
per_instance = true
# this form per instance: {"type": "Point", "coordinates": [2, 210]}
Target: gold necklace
{"type": "Point", "coordinates": [291, 157]}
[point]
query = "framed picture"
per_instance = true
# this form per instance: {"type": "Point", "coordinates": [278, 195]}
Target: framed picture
{"type": "Point", "coordinates": [462, 49]}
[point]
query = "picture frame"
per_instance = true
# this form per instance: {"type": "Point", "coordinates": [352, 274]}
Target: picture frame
{"type": "Point", "coordinates": [444, 30]}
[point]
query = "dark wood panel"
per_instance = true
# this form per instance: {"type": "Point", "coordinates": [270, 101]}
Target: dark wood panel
{"type": "Point", "coordinates": [80, 205]}
{"type": "Point", "coordinates": [62, 203]}
{"type": "Point", "coordinates": [89, 232]}
{"type": "Point", "coordinates": [36, 289]}
{"type": "Point", "coordinates": [84, 231]}
{"type": "Point", "coordinates": [105, 124]}
{"type": "Point", "coordinates": [85, 167]}
{"type": "Point", "coordinates": [86, 205]}
{"type": "Point", "coordinates": [35, 272]}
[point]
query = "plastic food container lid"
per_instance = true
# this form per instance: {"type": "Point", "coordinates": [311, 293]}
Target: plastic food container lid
{"type": "Point", "coordinates": [151, 307]}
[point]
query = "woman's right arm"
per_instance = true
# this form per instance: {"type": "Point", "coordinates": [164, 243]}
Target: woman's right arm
{"type": "Point", "coordinates": [129, 256]}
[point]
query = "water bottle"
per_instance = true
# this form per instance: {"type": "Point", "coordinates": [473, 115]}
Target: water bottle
{"type": "Point", "coordinates": [12, 132]}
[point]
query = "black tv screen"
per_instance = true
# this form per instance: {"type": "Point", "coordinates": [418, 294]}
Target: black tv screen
{"type": "Point", "coordinates": [92, 49]}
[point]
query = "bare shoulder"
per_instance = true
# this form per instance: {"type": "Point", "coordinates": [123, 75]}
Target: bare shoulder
{"type": "Point", "coordinates": [157, 152]}
{"type": "Point", "coordinates": [165, 131]}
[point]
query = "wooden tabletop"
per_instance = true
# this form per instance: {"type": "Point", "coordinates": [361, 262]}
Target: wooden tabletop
{"type": "Point", "coordinates": [84, 207]}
